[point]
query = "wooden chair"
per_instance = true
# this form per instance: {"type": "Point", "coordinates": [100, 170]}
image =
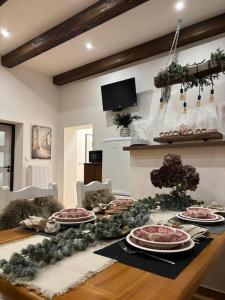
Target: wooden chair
{"type": "Point", "coordinates": [29, 192]}
{"type": "Point", "coordinates": [91, 187]}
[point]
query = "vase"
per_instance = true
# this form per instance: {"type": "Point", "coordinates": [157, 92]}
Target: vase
{"type": "Point", "coordinates": [125, 132]}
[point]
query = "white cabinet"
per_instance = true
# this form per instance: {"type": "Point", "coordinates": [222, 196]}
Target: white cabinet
{"type": "Point", "coordinates": [116, 164]}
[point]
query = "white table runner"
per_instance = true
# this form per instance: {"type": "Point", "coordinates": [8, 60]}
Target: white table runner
{"type": "Point", "coordinates": [70, 272]}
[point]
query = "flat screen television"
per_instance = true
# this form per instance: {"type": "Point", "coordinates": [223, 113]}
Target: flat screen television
{"type": "Point", "coordinates": [118, 95]}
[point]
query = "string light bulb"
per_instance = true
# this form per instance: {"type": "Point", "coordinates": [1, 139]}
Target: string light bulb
{"type": "Point", "coordinates": [198, 102]}
{"type": "Point", "coordinates": [211, 96]}
{"type": "Point", "coordinates": [161, 103]}
{"type": "Point", "coordinates": [185, 107]}
{"type": "Point", "coordinates": [182, 97]}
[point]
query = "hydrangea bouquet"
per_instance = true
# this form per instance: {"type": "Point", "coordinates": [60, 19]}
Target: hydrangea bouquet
{"type": "Point", "coordinates": [181, 178]}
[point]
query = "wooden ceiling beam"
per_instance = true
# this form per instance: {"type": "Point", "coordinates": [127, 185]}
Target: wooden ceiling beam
{"type": "Point", "coordinates": [190, 34]}
{"type": "Point", "coordinates": [2, 2]}
{"type": "Point", "coordinates": [96, 14]}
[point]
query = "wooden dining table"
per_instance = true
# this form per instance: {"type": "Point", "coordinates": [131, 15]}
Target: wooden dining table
{"type": "Point", "coordinates": [122, 282]}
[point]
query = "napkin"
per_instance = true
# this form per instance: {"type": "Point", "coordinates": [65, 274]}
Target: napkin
{"type": "Point", "coordinates": [194, 231]}
{"type": "Point", "coordinates": [216, 206]}
{"type": "Point", "coordinates": [40, 224]}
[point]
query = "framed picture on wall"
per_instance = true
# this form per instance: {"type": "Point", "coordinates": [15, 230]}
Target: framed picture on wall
{"type": "Point", "coordinates": [41, 142]}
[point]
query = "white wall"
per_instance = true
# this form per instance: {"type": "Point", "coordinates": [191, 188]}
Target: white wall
{"type": "Point", "coordinates": [28, 98]}
{"type": "Point", "coordinates": [81, 101]}
{"type": "Point", "coordinates": [209, 162]}
{"type": "Point", "coordinates": [74, 158]}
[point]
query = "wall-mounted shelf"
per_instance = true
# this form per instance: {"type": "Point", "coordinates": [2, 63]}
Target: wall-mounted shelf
{"type": "Point", "coordinates": [176, 145]}
{"type": "Point", "coordinates": [189, 138]}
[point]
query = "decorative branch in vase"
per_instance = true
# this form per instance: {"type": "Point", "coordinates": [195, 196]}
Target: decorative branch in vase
{"type": "Point", "coordinates": [181, 178]}
{"type": "Point", "coordinates": [124, 120]}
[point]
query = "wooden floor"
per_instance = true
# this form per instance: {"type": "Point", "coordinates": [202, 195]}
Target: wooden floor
{"type": "Point", "coordinates": [121, 282]}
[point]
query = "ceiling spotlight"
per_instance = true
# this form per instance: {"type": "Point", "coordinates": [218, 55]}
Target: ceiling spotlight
{"type": "Point", "coordinates": [179, 5]}
{"type": "Point", "coordinates": [4, 32]}
{"type": "Point", "coordinates": [89, 46]}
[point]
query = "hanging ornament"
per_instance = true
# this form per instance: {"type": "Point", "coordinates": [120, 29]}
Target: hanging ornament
{"type": "Point", "coordinates": [182, 96]}
{"type": "Point", "coordinates": [198, 102]}
{"type": "Point", "coordinates": [211, 97]}
{"type": "Point", "coordinates": [185, 107]}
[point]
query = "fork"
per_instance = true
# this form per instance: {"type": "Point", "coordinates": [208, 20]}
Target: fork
{"type": "Point", "coordinates": [128, 250]}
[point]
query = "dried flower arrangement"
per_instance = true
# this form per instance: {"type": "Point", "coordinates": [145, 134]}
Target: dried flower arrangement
{"type": "Point", "coordinates": [181, 178]}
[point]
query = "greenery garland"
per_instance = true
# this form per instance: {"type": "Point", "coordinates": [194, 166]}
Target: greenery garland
{"type": "Point", "coordinates": [26, 264]}
{"type": "Point", "coordinates": [190, 82]}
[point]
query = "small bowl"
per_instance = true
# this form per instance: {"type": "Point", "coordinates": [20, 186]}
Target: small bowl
{"type": "Point", "coordinates": [213, 130]}
{"type": "Point", "coordinates": [159, 236]}
{"type": "Point", "coordinates": [164, 236]}
{"type": "Point", "coordinates": [62, 215]}
{"type": "Point", "coordinates": [190, 131]}
{"type": "Point", "coordinates": [203, 130]}
{"type": "Point", "coordinates": [198, 212]}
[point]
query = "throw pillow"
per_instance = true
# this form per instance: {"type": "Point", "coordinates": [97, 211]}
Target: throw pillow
{"type": "Point", "coordinates": [93, 199]}
{"type": "Point", "coordinates": [19, 210]}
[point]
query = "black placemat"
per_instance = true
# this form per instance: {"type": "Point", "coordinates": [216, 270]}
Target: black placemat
{"type": "Point", "coordinates": [149, 264]}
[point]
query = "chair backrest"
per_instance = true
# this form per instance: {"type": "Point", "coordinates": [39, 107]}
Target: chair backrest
{"type": "Point", "coordinates": [91, 187]}
{"type": "Point", "coordinates": [29, 192]}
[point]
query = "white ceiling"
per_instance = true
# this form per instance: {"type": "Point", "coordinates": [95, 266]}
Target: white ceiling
{"type": "Point", "coordinates": [27, 18]}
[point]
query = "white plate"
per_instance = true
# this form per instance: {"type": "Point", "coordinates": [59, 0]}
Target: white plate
{"type": "Point", "coordinates": [216, 217]}
{"type": "Point", "coordinates": [161, 245]}
{"type": "Point", "coordinates": [187, 246]}
{"type": "Point", "coordinates": [218, 220]}
{"type": "Point", "coordinates": [61, 219]}
{"type": "Point", "coordinates": [76, 223]}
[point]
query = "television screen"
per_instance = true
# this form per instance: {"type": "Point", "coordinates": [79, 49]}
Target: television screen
{"type": "Point", "coordinates": [118, 95]}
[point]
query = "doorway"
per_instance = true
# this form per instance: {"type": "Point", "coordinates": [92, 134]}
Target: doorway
{"type": "Point", "coordinates": [77, 144]}
{"type": "Point", "coordinates": [7, 145]}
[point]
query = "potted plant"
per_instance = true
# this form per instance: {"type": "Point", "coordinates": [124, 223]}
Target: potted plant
{"type": "Point", "coordinates": [124, 120]}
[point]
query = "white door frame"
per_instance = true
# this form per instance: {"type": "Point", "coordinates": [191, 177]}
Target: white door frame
{"type": "Point", "coordinates": [8, 168]}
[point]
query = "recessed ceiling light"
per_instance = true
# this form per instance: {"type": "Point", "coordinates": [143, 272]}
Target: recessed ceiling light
{"type": "Point", "coordinates": [89, 46]}
{"type": "Point", "coordinates": [4, 32]}
{"type": "Point", "coordinates": [179, 5]}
